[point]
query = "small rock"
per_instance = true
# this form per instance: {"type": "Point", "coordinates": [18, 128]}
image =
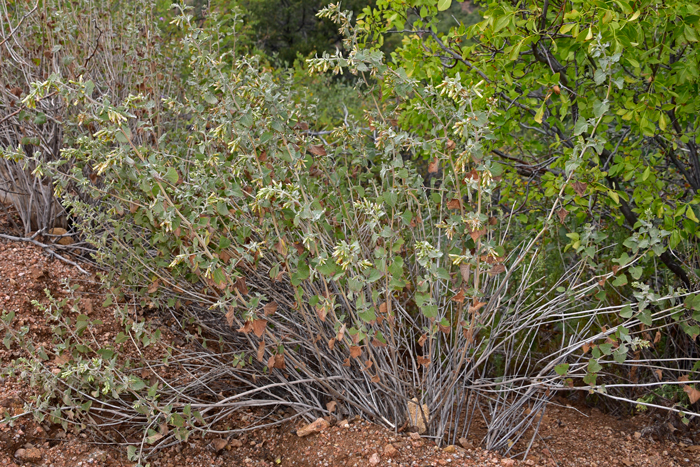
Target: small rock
{"type": "Point", "coordinates": [451, 448]}
{"type": "Point", "coordinates": [464, 442]}
{"type": "Point", "coordinates": [344, 424]}
{"type": "Point", "coordinates": [507, 462]}
{"type": "Point", "coordinates": [414, 435]}
{"type": "Point", "coordinates": [218, 444]}
{"type": "Point", "coordinates": [319, 425]}
{"type": "Point", "coordinates": [390, 451]}
{"type": "Point", "coordinates": [637, 435]}
{"type": "Point", "coordinates": [235, 443]}
{"type": "Point", "coordinates": [29, 455]}
{"type": "Point", "coordinates": [374, 459]}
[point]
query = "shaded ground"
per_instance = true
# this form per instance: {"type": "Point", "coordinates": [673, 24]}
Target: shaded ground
{"type": "Point", "coordinates": [569, 436]}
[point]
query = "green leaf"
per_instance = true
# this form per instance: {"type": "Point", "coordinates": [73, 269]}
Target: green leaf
{"type": "Point", "coordinates": [367, 316]}
{"type": "Point", "coordinates": [636, 272]}
{"type": "Point", "coordinates": [594, 366]}
{"type": "Point", "coordinates": [581, 126]}
{"type": "Point", "coordinates": [177, 420]}
{"type": "Point", "coordinates": [620, 280]}
{"type": "Point", "coordinates": [501, 22]}
{"type": "Point", "coordinates": [444, 4]}
{"type": "Point", "coordinates": [620, 355]}
{"type": "Point", "coordinates": [172, 176]}
{"type": "Point", "coordinates": [606, 348]}
{"type": "Point", "coordinates": [219, 276]}
{"type": "Point", "coordinates": [626, 312]}
{"type": "Point", "coordinates": [40, 118]}
{"type": "Point", "coordinates": [590, 379]}
{"type": "Point", "coordinates": [645, 317]}
{"type": "Point", "coordinates": [374, 275]}
{"type": "Point", "coordinates": [562, 369]}
{"type": "Point", "coordinates": [540, 114]}
{"type": "Point", "coordinates": [210, 98]}
{"type": "Point", "coordinates": [121, 337]}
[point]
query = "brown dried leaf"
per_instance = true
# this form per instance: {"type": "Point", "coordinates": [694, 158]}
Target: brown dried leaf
{"type": "Point", "coordinates": [684, 378]}
{"type": "Point", "coordinates": [423, 361]}
{"type": "Point", "coordinates": [355, 351]}
{"type": "Point", "coordinates": [229, 316]}
{"type": "Point", "coordinates": [346, 362]}
{"type": "Point", "coordinates": [87, 305]}
{"type": "Point", "coordinates": [562, 213]}
{"type": "Point", "coordinates": [422, 340]}
{"type": "Point", "coordinates": [279, 361]}
{"type": "Point", "coordinates": [341, 333]}
{"type": "Point", "coordinates": [271, 362]}
{"type": "Point", "coordinates": [331, 343]}
{"type": "Point", "coordinates": [300, 248]}
{"type": "Point", "coordinates": [368, 364]}
{"type": "Point", "coordinates": [464, 270]}
{"type": "Point", "coordinates": [331, 406]}
{"type": "Point", "coordinates": [270, 309]}
{"type": "Point", "coordinates": [133, 207]}
{"type": "Point", "coordinates": [657, 337]}
{"type": "Point", "coordinates": [475, 234]}
{"type": "Point", "coordinates": [476, 306]}
{"type": "Point", "coordinates": [321, 312]}
{"type": "Point", "coordinates": [303, 126]}
{"type": "Point", "coordinates": [586, 348]}
{"type": "Point", "coordinates": [659, 374]}
{"type": "Point", "coordinates": [375, 379]}
{"type": "Point", "coordinates": [445, 329]}
{"type": "Point", "coordinates": [62, 359]}
{"type": "Point", "coordinates": [377, 343]}
{"type": "Point", "coordinates": [259, 326]}
{"type": "Point", "coordinates": [153, 288]}
{"type": "Point", "coordinates": [459, 298]}
{"type": "Point", "coordinates": [246, 328]}
{"type": "Point", "coordinates": [225, 256]}
{"type": "Point", "coordinates": [281, 247]}
{"type": "Point", "coordinates": [433, 166]}
{"type": "Point", "coordinates": [454, 203]}
{"type": "Point", "coordinates": [450, 145]}
{"type": "Point", "coordinates": [497, 269]}
{"type": "Point", "coordinates": [693, 394]}
{"type": "Point", "coordinates": [382, 307]}
{"type": "Point", "coordinates": [493, 221]}
{"type": "Point", "coordinates": [317, 150]}
{"type": "Point", "coordinates": [579, 188]}
{"type": "Point", "coordinates": [261, 350]}
{"type": "Point", "coordinates": [471, 175]}
{"type": "Point", "coordinates": [240, 286]}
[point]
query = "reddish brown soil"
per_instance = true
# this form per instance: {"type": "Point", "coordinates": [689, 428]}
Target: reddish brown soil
{"type": "Point", "coordinates": [569, 436]}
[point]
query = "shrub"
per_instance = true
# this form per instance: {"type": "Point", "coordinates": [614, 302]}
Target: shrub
{"type": "Point", "coordinates": [332, 277]}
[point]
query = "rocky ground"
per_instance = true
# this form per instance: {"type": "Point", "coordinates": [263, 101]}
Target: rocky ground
{"type": "Point", "coordinates": [571, 434]}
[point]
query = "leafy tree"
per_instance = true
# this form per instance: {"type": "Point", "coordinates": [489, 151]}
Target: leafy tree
{"type": "Point", "coordinates": [557, 68]}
